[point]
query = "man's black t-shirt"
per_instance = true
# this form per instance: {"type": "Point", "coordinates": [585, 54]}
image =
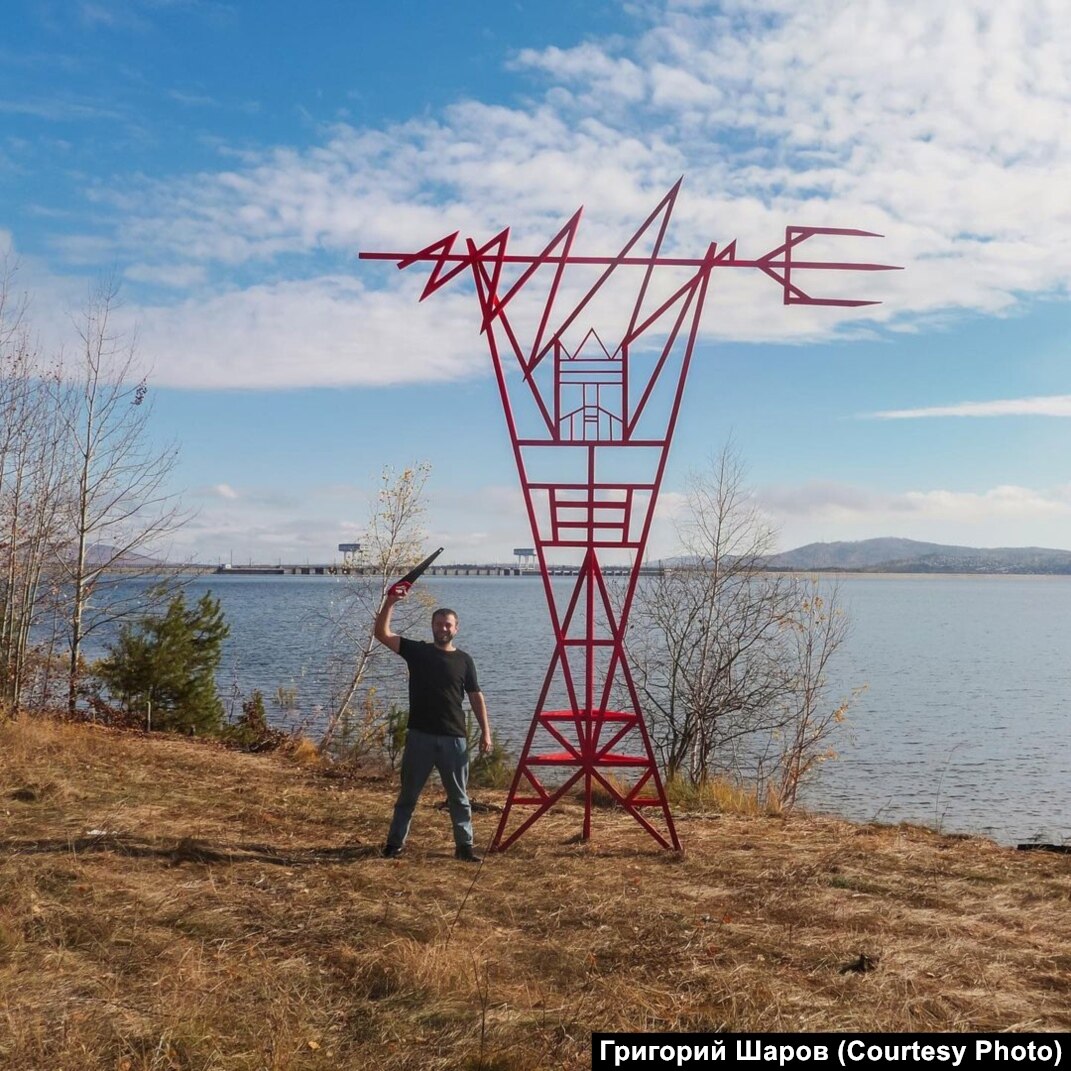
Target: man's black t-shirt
{"type": "Point", "coordinates": [438, 681]}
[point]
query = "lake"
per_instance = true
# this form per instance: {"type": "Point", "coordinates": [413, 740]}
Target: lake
{"type": "Point", "coordinates": [962, 726]}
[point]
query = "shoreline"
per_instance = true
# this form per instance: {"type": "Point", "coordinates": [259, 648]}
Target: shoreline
{"type": "Point", "coordinates": [340, 573]}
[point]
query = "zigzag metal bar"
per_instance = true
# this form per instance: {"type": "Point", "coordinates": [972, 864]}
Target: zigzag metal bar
{"type": "Point", "coordinates": [486, 290]}
{"type": "Point", "coordinates": [665, 206]}
{"type": "Point", "coordinates": [405, 260]}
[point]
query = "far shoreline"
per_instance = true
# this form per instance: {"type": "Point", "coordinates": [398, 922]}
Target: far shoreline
{"type": "Point", "coordinates": [261, 571]}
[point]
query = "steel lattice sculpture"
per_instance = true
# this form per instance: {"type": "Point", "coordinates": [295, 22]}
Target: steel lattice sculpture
{"type": "Point", "coordinates": [591, 424]}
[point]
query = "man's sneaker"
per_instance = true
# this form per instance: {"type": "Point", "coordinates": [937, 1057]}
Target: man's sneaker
{"type": "Point", "coordinates": [392, 851]}
{"type": "Point", "coordinates": [465, 853]}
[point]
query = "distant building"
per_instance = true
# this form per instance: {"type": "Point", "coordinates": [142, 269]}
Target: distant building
{"type": "Point", "coordinates": [350, 552]}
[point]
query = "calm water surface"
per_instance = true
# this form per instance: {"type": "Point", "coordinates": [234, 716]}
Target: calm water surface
{"type": "Point", "coordinates": [963, 724]}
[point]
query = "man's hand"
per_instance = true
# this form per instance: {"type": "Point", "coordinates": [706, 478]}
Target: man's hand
{"type": "Point", "coordinates": [485, 743]}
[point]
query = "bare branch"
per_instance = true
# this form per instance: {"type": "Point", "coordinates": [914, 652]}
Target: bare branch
{"type": "Point", "coordinates": [119, 503]}
{"type": "Point", "coordinates": [731, 659]}
{"type": "Point", "coordinates": [393, 541]}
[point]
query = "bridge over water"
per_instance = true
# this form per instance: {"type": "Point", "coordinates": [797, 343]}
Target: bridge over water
{"type": "Point", "coordinates": [461, 569]}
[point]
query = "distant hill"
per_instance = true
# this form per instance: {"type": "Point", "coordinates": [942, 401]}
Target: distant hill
{"type": "Point", "coordinates": [890, 555]}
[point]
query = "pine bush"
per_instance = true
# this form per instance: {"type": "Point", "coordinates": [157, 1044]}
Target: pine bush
{"type": "Point", "coordinates": [166, 666]}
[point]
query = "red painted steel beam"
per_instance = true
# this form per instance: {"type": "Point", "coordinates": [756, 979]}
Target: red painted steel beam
{"type": "Point", "coordinates": [466, 260]}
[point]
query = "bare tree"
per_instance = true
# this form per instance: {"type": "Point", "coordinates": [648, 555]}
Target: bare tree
{"type": "Point", "coordinates": [30, 493]}
{"type": "Point", "coordinates": [817, 630]}
{"type": "Point", "coordinates": [119, 502]}
{"type": "Point", "coordinates": [393, 541]}
{"type": "Point", "coordinates": [731, 659]}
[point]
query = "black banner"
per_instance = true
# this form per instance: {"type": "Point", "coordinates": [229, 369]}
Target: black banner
{"type": "Point", "coordinates": [656, 1052]}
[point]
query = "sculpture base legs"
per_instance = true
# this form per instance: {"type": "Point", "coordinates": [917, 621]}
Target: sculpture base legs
{"type": "Point", "coordinates": [580, 756]}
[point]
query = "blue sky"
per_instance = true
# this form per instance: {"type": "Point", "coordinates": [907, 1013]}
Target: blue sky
{"type": "Point", "coordinates": [225, 161]}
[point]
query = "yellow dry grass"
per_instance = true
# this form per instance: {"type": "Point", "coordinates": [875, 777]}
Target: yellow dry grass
{"type": "Point", "coordinates": [165, 904]}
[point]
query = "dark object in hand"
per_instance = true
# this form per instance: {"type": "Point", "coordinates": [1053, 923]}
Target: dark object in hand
{"type": "Point", "coordinates": [414, 574]}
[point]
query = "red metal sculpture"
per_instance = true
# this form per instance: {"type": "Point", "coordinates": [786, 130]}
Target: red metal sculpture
{"type": "Point", "coordinates": [591, 423]}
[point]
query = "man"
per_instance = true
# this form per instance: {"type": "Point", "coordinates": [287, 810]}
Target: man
{"type": "Point", "coordinates": [439, 674]}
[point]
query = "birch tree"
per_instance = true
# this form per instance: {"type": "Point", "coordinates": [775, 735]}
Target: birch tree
{"type": "Point", "coordinates": [31, 480]}
{"type": "Point", "coordinates": [393, 542]}
{"type": "Point", "coordinates": [120, 504]}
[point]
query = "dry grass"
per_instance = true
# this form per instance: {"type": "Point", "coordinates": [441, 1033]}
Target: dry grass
{"type": "Point", "coordinates": [720, 795]}
{"type": "Point", "coordinates": [231, 912]}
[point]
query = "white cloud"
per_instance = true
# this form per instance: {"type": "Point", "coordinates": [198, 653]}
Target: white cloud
{"type": "Point", "coordinates": [941, 126]}
{"type": "Point", "coordinates": [178, 276]}
{"type": "Point", "coordinates": [261, 524]}
{"type": "Point", "coordinates": [84, 250]}
{"type": "Point", "coordinates": [1057, 405]}
{"type": "Point", "coordinates": [323, 332]}
{"type": "Point", "coordinates": [193, 100]}
{"type": "Point", "coordinates": [60, 110]}
{"type": "Point", "coordinates": [1005, 515]}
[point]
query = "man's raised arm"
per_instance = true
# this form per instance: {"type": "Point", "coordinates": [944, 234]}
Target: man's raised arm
{"type": "Point", "coordinates": [382, 630]}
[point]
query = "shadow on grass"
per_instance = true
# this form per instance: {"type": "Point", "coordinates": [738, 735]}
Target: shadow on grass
{"type": "Point", "coordinates": [189, 850]}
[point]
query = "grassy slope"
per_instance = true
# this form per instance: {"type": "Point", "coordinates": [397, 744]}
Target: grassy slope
{"type": "Point", "coordinates": [235, 914]}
